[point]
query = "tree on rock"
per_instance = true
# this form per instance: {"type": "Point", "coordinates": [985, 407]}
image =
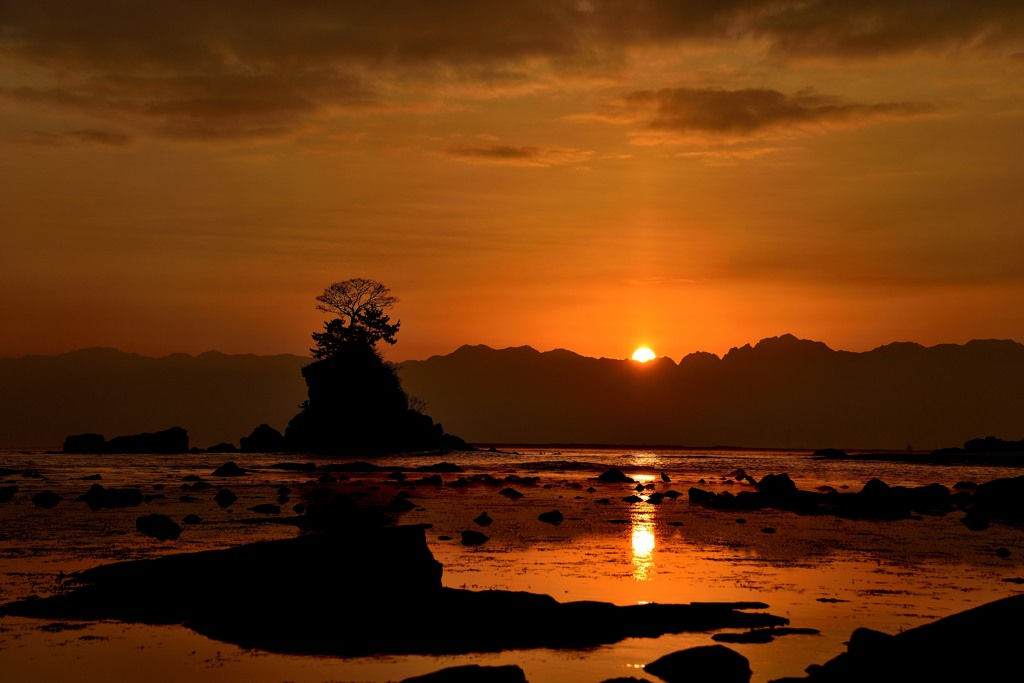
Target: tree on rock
{"type": "Point", "coordinates": [356, 402]}
{"type": "Point", "coordinates": [359, 306]}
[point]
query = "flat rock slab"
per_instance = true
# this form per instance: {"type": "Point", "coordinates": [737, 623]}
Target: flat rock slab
{"type": "Point", "coordinates": [358, 592]}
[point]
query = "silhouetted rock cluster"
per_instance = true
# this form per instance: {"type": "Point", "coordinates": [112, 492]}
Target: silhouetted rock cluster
{"type": "Point", "coordinates": [263, 439]}
{"type": "Point", "coordinates": [168, 441]}
{"type": "Point", "coordinates": [356, 405]}
{"type": "Point", "coordinates": [877, 500]}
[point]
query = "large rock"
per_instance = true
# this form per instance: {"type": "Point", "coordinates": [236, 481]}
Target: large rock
{"type": "Point", "coordinates": [704, 664]}
{"type": "Point", "coordinates": [319, 594]}
{"type": "Point", "coordinates": [84, 443]}
{"type": "Point", "coordinates": [263, 439]}
{"type": "Point", "coordinates": [357, 405]}
{"type": "Point", "coordinates": [980, 644]}
{"type": "Point", "coordinates": [168, 441]}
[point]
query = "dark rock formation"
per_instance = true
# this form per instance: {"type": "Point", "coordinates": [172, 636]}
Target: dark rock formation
{"type": "Point", "coordinates": [7, 493]}
{"type": "Point", "coordinates": [46, 499]}
{"type": "Point", "coordinates": [704, 664]}
{"type": "Point", "coordinates": [263, 439]}
{"type": "Point", "coordinates": [357, 405]}
{"type": "Point", "coordinates": [222, 447]}
{"type": "Point", "coordinates": [474, 538]}
{"type": "Point", "coordinates": [615, 476]}
{"type": "Point", "coordinates": [168, 441]}
{"type": "Point", "coordinates": [225, 497]}
{"type": "Point", "coordinates": [551, 517]}
{"type": "Point", "coordinates": [977, 645]}
{"type": "Point", "coordinates": [472, 673]}
{"type": "Point", "coordinates": [483, 519]}
{"type": "Point", "coordinates": [84, 443]}
{"type": "Point", "coordinates": [266, 509]}
{"type": "Point", "coordinates": [160, 527]}
{"type": "Point", "coordinates": [347, 606]}
{"type": "Point", "coordinates": [229, 469]}
{"type": "Point", "coordinates": [510, 493]}
{"type": "Point", "coordinates": [98, 497]}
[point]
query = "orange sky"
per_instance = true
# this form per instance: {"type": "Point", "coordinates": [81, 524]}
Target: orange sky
{"type": "Point", "coordinates": [186, 176]}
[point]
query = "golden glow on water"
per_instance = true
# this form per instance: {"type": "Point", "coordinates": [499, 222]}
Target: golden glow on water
{"type": "Point", "coordinates": [643, 545]}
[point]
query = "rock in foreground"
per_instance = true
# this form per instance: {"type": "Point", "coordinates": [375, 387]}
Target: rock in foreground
{"type": "Point", "coordinates": [358, 592]}
{"type": "Point", "coordinates": [980, 644]}
{"type": "Point", "coordinates": [704, 664]}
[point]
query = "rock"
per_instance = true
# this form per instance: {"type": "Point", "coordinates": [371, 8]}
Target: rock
{"type": "Point", "coordinates": [225, 497]}
{"type": "Point", "coordinates": [7, 493]}
{"type": "Point", "coordinates": [84, 443]}
{"type": "Point", "coordinates": [98, 497]}
{"type": "Point", "coordinates": [976, 520]}
{"type": "Point", "coordinates": [484, 519]}
{"type": "Point", "coordinates": [92, 477]}
{"type": "Point", "coordinates": [703, 664]}
{"type": "Point", "coordinates": [768, 530]}
{"type": "Point", "coordinates": [933, 652]}
{"type": "Point", "coordinates": [263, 439]}
{"type": "Point", "coordinates": [294, 466]}
{"type": "Point", "coordinates": [830, 453]}
{"type": "Point", "coordinates": [160, 527]}
{"type": "Point", "coordinates": [633, 498]}
{"type": "Point", "coordinates": [400, 504]}
{"type": "Point", "coordinates": [473, 538]}
{"type": "Point", "coordinates": [229, 469]}
{"type": "Point", "coordinates": [446, 467]}
{"type": "Point", "coordinates": [615, 476]}
{"type": "Point", "coordinates": [1003, 552]}
{"type": "Point", "coordinates": [222, 447]}
{"type": "Point", "coordinates": [510, 493]}
{"type": "Point", "coordinates": [168, 441]}
{"type": "Point", "coordinates": [266, 509]}
{"type": "Point", "coordinates": [192, 519]}
{"type": "Point", "coordinates": [472, 673]}
{"type": "Point", "coordinates": [656, 498]}
{"type": "Point", "coordinates": [46, 499]}
{"type": "Point", "coordinates": [551, 517]}
{"type": "Point", "coordinates": [327, 479]}
{"type": "Point", "coordinates": [777, 485]}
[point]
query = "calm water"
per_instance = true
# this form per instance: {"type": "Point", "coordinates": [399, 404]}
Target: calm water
{"type": "Point", "coordinates": [885, 575]}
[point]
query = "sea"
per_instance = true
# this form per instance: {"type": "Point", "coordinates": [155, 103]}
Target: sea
{"type": "Point", "coordinates": [821, 572]}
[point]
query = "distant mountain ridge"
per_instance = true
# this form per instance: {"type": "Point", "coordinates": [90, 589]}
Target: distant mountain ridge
{"type": "Point", "coordinates": [781, 392]}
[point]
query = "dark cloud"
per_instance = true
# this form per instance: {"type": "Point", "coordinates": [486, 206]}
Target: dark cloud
{"type": "Point", "coordinates": [512, 155]}
{"type": "Point", "coordinates": [86, 135]}
{"type": "Point", "coordinates": [240, 68]}
{"type": "Point", "coordinates": [744, 112]}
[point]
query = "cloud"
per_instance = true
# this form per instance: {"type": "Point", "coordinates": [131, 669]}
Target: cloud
{"type": "Point", "coordinates": [239, 68]}
{"type": "Point", "coordinates": [678, 114]}
{"type": "Point", "coordinates": [514, 155]}
{"type": "Point", "coordinates": [87, 135]}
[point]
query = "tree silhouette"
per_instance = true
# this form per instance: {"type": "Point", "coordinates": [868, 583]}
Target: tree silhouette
{"type": "Point", "coordinates": [359, 307]}
{"type": "Point", "coordinates": [356, 402]}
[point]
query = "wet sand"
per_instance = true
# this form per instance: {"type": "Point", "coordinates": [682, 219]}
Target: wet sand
{"type": "Point", "coordinates": [821, 572]}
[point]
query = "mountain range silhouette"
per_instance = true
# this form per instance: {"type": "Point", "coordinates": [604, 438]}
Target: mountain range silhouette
{"type": "Point", "coordinates": [781, 392]}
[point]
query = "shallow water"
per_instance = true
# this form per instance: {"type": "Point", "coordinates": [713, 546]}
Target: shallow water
{"type": "Point", "coordinates": [884, 575]}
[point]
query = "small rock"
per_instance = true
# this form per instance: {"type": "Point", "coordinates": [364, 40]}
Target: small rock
{"type": "Point", "coordinates": [229, 469]}
{"type": "Point", "coordinates": [473, 538]}
{"type": "Point", "coordinates": [510, 493]}
{"type": "Point", "coordinates": [484, 519]}
{"type": "Point", "coordinates": [266, 509]}
{"type": "Point", "coordinates": [192, 519]}
{"type": "Point", "coordinates": [160, 527]}
{"type": "Point", "coordinates": [615, 476]}
{"type": "Point", "coordinates": [225, 497]}
{"type": "Point", "coordinates": [46, 499]}
{"type": "Point", "coordinates": [551, 517]}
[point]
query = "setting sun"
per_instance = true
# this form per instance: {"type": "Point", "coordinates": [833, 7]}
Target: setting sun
{"type": "Point", "coordinates": [643, 354]}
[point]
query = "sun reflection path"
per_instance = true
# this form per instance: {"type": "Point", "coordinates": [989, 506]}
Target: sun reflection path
{"type": "Point", "coordinates": [642, 541]}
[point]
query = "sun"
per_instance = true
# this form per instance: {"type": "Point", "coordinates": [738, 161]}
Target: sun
{"type": "Point", "coordinates": [643, 354]}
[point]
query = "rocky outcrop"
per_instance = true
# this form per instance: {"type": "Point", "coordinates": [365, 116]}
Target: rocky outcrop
{"type": "Point", "coordinates": [357, 406]}
{"type": "Point", "coordinates": [168, 441]}
{"type": "Point", "coordinates": [263, 439]}
{"type": "Point", "coordinates": [319, 594]}
{"type": "Point", "coordinates": [977, 645]}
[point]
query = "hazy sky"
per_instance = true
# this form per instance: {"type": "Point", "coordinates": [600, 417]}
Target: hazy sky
{"type": "Point", "coordinates": [186, 176]}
